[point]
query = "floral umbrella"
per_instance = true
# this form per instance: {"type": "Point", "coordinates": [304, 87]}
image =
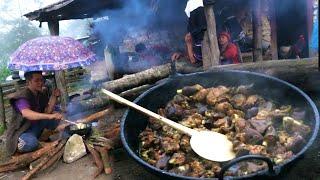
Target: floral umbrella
{"type": "Point", "coordinates": [50, 53]}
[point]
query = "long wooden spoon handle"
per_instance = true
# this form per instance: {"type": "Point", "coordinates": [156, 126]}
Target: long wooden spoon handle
{"type": "Point", "coordinates": [70, 122]}
{"type": "Point", "coordinates": [166, 121]}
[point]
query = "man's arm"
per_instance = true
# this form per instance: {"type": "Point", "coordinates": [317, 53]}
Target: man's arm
{"type": "Point", "coordinates": [34, 116]}
{"type": "Point", "coordinates": [189, 44]}
{"type": "Point", "coordinates": [23, 107]}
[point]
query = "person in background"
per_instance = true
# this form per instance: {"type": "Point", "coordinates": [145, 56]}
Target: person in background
{"type": "Point", "coordinates": [228, 51]}
{"type": "Point", "coordinates": [243, 14]}
{"type": "Point", "coordinates": [197, 25]}
{"type": "Point", "coordinates": [293, 51]}
{"type": "Point", "coordinates": [193, 52]}
{"type": "Point", "coordinates": [33, 112]}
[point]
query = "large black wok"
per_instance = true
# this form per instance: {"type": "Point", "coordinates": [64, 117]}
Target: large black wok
{"type": "Point", "coordinates": [272, 88]}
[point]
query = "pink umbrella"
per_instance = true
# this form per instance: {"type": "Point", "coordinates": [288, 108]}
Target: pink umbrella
{"type": "Point", "coordinates": [50, 53]}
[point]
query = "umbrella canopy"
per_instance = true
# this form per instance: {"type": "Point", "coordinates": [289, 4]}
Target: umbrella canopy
{"type": "Point", "coordinates": [51, 53]}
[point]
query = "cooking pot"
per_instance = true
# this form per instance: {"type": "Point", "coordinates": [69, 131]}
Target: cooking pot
{"type": "Point", "coordinates": [133, 122]}
{"type": "Point", "coordinates": [82, 129]}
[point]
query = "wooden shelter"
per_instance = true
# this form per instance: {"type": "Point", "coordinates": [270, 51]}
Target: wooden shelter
{"type": "Point", "coordinates": [79, 9]}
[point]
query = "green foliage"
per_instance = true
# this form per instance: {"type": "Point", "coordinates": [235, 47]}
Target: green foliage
{"type": "Point", "coordinates": [21, 31]}
{"type": "Point", "coordinates": [4, 72]}
{"type": "Point", "coordinates": [2, 129]}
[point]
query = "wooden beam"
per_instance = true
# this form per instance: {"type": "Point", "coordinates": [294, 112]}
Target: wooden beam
{"type": "Point", "coordinates": [210, 48]}
{"type": "Point", "coordinates": [273, 26]}
{"type": "Point", "coordinates": [257, 31]}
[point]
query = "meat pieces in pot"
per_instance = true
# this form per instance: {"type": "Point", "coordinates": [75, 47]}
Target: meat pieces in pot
{"type": "Point", "coordinates": [253, 124]}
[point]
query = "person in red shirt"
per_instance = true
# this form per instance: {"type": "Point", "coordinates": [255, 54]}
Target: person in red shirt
{"type": "Point", "coordinates": [228, 51]}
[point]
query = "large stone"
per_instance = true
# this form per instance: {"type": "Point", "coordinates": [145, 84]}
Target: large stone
{"type": "Point", "coordinates": [74, 149]}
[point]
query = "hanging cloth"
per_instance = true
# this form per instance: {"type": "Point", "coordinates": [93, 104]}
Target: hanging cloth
{"type": "Point", "coordinates": [192, 5]}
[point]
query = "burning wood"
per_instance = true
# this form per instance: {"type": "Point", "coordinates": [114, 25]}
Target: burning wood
{"type": "Point", "coordinates": [94, 116]}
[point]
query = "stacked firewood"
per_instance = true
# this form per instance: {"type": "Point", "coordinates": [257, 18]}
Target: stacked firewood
{"type": "Point", "coordinates": [100, 143]}
{"type": "Point", "coordinates": [40, 159]}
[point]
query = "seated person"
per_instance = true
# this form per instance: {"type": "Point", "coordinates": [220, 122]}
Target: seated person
{"type": "Point", "coordinates": [228, 51]}
{"type": "Point", "coordinates": [293, 51]}
{"type": "Point", "coordinates": [245, 39]}
{"type": "Point", "coordinates": [33, 112]}
{"type": "Point", "coordinates": [193, 51]}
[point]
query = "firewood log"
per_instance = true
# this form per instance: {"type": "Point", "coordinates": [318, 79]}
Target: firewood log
{"type": "Point", "coordinates": [45, 159]}
{"type": "Point", "coordinates": [97, 159]}
{"type": "Point", "coordinates": [105, 158]}
{"type": "Point", "coordinates": [94, 116]}
{"type": "Point", "coordinates": [134, 80]}
{"type": "Point", "coordinates": [53, 160]}
{"type": "Point", "coordinates": [25, 159]}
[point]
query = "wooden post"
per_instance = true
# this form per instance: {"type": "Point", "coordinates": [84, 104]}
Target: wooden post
{"type": "Point", "coordinates": [309, 20]}
{"type": "Point", "coordinates": [61, 84]}
{"type": "Point", "coordinates": [257, 31]}
{"type": "Point", "coordinates": [2, 112]}
{"type": "Point", "coordinates": [53, 27]}
{"type": "Point", "coordinates": [16, 86]}
{"type": "Point", "coordinates": [210, 48]}
{"type": "Point", "coordinates": [59, 76]}
{"type": "Point", "coordinates": [273, 26]}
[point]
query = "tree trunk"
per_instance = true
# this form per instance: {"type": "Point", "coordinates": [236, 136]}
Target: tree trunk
{"type": "Point", "coordinates": [257, 31]}
{"type": "Point", "coordinates": [302, 73]}
{"type": "Point", "coordinates": [138, 79]}
{"type": "Point", "coordinates": [210, 51]}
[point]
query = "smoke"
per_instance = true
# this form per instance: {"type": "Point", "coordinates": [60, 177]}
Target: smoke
{"type": "Point", "coordinates": [155, 23]}
{"type": "Point", "coordinates": [138, 15]}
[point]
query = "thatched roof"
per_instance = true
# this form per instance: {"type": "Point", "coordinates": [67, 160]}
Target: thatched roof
{"type": "Point", "coordinates": [73, 9]}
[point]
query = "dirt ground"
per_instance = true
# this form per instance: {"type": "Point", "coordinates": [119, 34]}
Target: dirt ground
{"type": "Point", "coordinates": [124, 168]}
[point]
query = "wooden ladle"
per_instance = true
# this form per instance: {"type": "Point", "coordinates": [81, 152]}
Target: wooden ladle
{"type": "Point", "coordinates": [207, 144]}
